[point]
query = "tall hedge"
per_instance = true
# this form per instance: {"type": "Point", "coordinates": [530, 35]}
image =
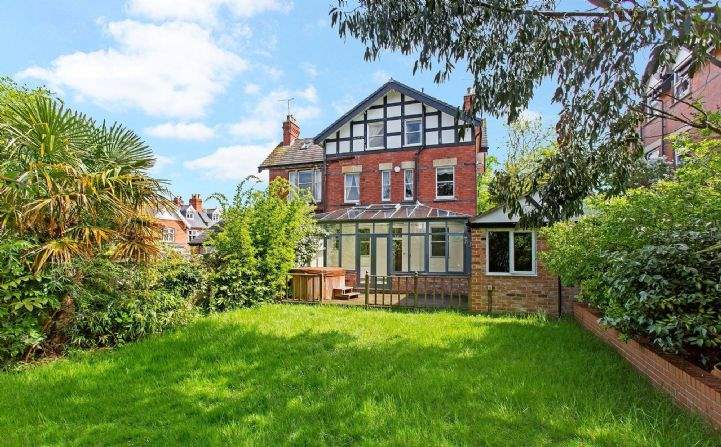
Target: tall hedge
{"type": "Point", "coordinates": [650, 260]}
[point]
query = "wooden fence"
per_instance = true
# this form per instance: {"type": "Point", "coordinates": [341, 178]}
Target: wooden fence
{"type": "Point", "coordinates": [397, 291]}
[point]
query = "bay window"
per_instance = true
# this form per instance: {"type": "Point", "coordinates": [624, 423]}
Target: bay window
{"type": "Point", "coordinates": [511, 252]}
{"type": "Point", "coordinates": [681, 82]}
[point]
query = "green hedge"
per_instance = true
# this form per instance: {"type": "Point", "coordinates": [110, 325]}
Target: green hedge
{"type": "Point", "coordinates": [650, 260]}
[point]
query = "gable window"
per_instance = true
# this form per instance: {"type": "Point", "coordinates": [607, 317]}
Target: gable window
{"type": "Point", "coordinates": [375, 135]}
{"type": "Point", "coordinates": [511, 252]}
{"type": "Point", "coordinates": [216, 217]}
{"type": "Point", "coordinates": [681, 82]}
{"type": "Point", "coordinates": [445, 183]}
{"type": "Point", "coordinates": [385, 186]}
{"type": "Point", "coordinates": [168, 234]}
{"type": "Point", "coordinates": [413, 131]}
{"type": "Point", "coordinates": [351, 192]}
{"type": "Point", "coordinates": [189, 214]}
{"type": "Point", "coordinates": [308, 180]}
{"type": "Point", "coordinates": [408, 184]}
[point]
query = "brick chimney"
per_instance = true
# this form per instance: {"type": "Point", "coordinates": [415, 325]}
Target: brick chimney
{"type": "Point", "coordinates": [291, 130]}
{"type": "Point", "coordinates": [178, 201]}
{"type": "Point", "coordinates": [468, 101]}
{"type": "Point", "coordinates": [196, 202]}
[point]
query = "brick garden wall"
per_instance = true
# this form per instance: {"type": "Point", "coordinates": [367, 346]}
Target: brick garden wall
{"type": "Point", "coordinates": [515, 294]}
{"type": "Point", "coordinates": [688, 384]}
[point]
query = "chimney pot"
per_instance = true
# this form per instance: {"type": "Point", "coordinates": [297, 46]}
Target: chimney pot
{"type": "Point", "coordinates": [178, 200]}
{"type": "Point", "coordinates": [196, 202]}
{"type": "Point", "coordinates": [291, 130]}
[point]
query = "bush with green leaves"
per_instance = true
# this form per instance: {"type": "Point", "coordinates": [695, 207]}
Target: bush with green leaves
{"type": "Point", "coordinates": [27, 300]}
{"type": "Point", "coordinates": [263, 232]}
{"type": "Point", "coordinates": [649, 259]}
{"type": "Point", "coordinates": [120, 302]}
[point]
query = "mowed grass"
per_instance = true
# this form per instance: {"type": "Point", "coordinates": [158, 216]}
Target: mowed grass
{"type": "Point", "coordinates": [300, 375]}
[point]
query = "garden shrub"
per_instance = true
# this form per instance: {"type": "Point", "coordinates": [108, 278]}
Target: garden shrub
{"type": "Point", "coordinates": [27, 300]}
{"type": "Point", "coordinates": [258, 243]}
{"type": "Point", "coordinates": [118, 303]}
{"type": "Point", "coordinates": [649, 259]}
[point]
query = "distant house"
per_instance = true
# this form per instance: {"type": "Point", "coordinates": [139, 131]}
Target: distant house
{"type": "Point", "coordinates": [185, 224]}
{"type": "Point", "coordinates": [671, 90]}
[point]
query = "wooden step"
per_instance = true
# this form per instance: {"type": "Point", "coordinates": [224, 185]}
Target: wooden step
{"type": "Point", "coordinates": [344, 293]}
{"type": "Point", "coordinates": [347, 296]}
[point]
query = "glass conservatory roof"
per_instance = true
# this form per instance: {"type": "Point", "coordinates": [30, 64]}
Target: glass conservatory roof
{"type": "Point", "coordinates": [388, 212]}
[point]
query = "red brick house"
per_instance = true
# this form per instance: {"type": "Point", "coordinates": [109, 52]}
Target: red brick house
{"type": "Point", "coordinates": [394, 181]}
{"type": "Point", "coordinates": [184, 224]}
{"type": "Point", "coordinates": [507, 274]}
{"type": "Point", "coordinates": [671, 90]}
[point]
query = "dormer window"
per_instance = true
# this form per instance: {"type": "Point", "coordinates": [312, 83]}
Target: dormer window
{"type": "Point", "coordinates": [375, 135]}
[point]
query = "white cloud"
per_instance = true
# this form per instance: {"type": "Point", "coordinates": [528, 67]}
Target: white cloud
{"type": "Point", "coordinates": [182, 131]}
{"type": "Point", "coordinates": [161, 162]}
{"type": "Point", "coordinates": [310, 94]}
{"type": "Point", "coordinates": [264, 123]}
{"type": "Point", "coordinates": [310, 69]}
{"type": "Point", "coordinates": [251, 88]}
{"type": "Point", "coordinates": [231, 162]}
{"type": "Point", "coordinates": [203, 11]}
{"type": "Point", "coordinates": [381, 76]}
{"type": "Point", "coordinates": [173, 69]}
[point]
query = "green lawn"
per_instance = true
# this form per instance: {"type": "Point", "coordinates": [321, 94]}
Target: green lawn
{"type": "Point", "coordinates": [277, 375]}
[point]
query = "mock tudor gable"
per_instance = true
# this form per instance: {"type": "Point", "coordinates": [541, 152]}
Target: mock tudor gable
{"type": "Point", "coordinates": [396, 116]}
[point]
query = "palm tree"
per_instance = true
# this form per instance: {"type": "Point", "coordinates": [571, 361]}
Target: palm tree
{"type": "Point", "coordinates": [73, 186]}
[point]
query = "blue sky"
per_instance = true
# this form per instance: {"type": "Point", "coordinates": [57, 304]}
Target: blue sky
{"type": "Point", "coordinates": [202, 81]}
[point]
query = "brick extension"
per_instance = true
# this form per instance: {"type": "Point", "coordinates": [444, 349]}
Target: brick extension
{"type": "Point", "coordinates": [513, 294]}
{"type": "Point", "coordinates": [688, 384]}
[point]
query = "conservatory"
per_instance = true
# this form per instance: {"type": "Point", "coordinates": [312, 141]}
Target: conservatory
{"type": "Point", "coordinates": [396, 240]}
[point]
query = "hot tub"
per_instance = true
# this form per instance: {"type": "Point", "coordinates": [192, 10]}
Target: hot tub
{"type": "Point", "coordinates": [315, 283]}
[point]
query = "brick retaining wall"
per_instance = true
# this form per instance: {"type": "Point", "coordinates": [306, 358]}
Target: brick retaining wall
{"type": "Point", "coordinates": [689, 385]}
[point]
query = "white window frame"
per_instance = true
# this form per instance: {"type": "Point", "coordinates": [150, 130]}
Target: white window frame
{"type": "Point", "coordinates": [168, 234]}
{"type": "Point", "coordinates": [216, 216]}
{"type": "Point", "coordinates": [315, 185]}
{"type": "Point", "coordinates": [385, 176]}
{"type": "Point", "coordinates": [679, 75]}
{"type": "Point", "coordinates": [511, 271]}
{"type": "Point", "coordinates": [189, 214]}
{"type": "Point", "coordinates": [420, 131]}
{"type": "Point", "coordinates": [369, 135]}
{"type": "Point", "coordinates": [406, 172]}
{"type": "Point", "coordinates": [453, 170]}
{"type": "Point", "coordinates": [346, 187]}
{"type": "Point", "coordinates": [192, 234]}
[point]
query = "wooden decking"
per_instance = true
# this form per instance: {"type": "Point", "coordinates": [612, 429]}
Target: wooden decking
{"type": "Point", "coordinates": [403, 300]}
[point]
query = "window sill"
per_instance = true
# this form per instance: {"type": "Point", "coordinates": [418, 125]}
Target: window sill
{"type": "Point", "coordinates": [445, 199]}
{"type": "Point", "coordinates": [519, 274]}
